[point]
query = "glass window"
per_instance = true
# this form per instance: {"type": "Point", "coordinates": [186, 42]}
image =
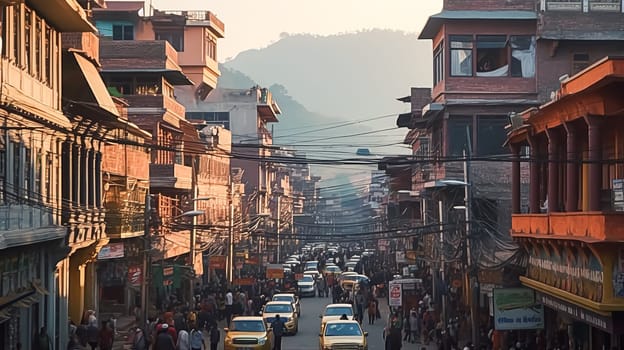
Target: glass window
{"type": "Point", "coordinates": [278, 308]}
{"type": "Point", "coordinates": [175, 38]}
{"type": "Point", "coordinates": [47, 47]}
{"type": "Point", "coordinates": [491, 135]}
{"type": "Point", "coordinates": [459, 129]}
{"type": "Point", "coordinates": [343, 329]}
{"type": "Point", "coordinates": [492, 56]}
{"type": "Point", "coordinates": [522, 56]}
{"type": "Point", "coordinates": [17, 29]}
{"type": "Point", "coordinates": [338, 311]}
{"type": "Point", "coordinates": [438, 64]}
{"type": "Point", "coordinates": [123, 32]}
{"type": "Point", "coordinates": [38, 34]}
{"type": "Point", "coordinates": [461, 55]}
{"type": "Point", "coordinates": [27, 34]}
{"type": "Point", "coordinates": [247, 326]}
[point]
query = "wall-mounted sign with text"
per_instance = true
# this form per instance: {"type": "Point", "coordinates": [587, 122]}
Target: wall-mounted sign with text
{"type": "Point", "coordinates": [517, 309]}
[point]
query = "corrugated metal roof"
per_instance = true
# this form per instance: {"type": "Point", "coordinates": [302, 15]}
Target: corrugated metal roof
{"type": "Point", "coordinates": [582, 35]}
{"type": "Point", "coordinates": [432, 27]}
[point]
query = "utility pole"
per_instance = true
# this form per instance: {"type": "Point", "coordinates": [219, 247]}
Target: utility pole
{"type": "Point", "coordinates": [473, 282]}
{"type": "Point", "coordinates": [147, 246]}
{"type": "Point", "coordinates": [230, 259]}
{"type": "Point", "coordinates": [442, 262]}
{"type": "Point", "coordinates": [279, 243]}
{"type": "Point", "coordinates": [193, 241]}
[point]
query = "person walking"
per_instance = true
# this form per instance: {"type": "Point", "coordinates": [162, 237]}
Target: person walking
{"type": "Point", "coordinates": [414, 325]}
{"type": "Point", "coordinates": [372, 311]}
{"type": "Point", "coordinates": [183, 340]}
{"type": "Point", "coordinates": [215, 336]}
{"type": "Point", "coordinates": [197, 339]}
{"type": "Point", "coordinates": [93, 335]}
{"type": "Point", "coordinates": [107, 336]}
{"type": "Point", "coordinates": [164, 340]}
{"type": "Point", "coordinates": [278, 327]}
{"type": "Point", "coordinates": [229, 304]}
{"type": "Point", "coordinates": [139, 340]}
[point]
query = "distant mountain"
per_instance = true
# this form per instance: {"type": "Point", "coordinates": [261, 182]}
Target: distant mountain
{"type": "Point", "coordinates": [322, 83]}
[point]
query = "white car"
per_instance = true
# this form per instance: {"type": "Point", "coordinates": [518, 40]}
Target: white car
{"type": "Point", "coordinates": [335, 311]}
{"type": "Point", "coordinates": [307, 285]}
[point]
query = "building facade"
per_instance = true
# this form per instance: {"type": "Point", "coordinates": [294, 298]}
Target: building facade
{"type": "Point", "coordinates": [571, 232]}
{"type": "Point", "coordinates": [35, 248]}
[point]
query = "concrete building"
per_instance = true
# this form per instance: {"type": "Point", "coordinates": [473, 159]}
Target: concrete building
{"type": "Point", "coordinates": [491, 59]}
{"type": "Point", "coordinates": [37, 251]}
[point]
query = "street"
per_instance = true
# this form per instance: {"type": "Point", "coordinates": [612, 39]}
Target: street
{"type": "Point", "coordinates": [308, 339]}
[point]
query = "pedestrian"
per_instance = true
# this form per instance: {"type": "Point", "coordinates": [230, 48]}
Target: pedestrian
{"type": "Point", "coordinates": [197, 339]}
{"type": "Point", "coordinates": [406, 328]}
{"type": "Point", "coordinates": [164, 340]}
{"type": "Point", "coordinates": [107, 336]}
{"type": "Point", "coordinates": [183, 340]}
{"type": "Point", "coordinates": [278, 327]}
{"type": "Point", "coordinates": [359, 304]}
{"type": "Point", "coordinates": [215, 336]}
{"type": "Point", "coordinates": [414, 325]}
{"type": "Point", "coordinates": [139, 340]}
{"type": "Point", "coordinates": [229, 303]}
{"type": "Point", "coordinates": [93, 335]}
{"type": "Point", "coordinates": [372, 309]}
{"type": "Point", "coordinates": [42, 340]}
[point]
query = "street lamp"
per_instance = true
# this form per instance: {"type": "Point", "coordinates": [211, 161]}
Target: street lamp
{"type": "Point", "coordinates": [192, 214]}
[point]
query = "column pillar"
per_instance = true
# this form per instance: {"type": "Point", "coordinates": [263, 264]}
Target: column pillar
{"type": "Point", "coordinates": [74, 173]}
{"type": "Point", "coordinates": [515, 179]}
{"type": "Point", "coordinates": [91, 178]}
{"type": "Point", "coordinates": [595, 161]}
{"type": "Point", "coordinates": [572, 169]}
{"type": "Point", "coordinates": [553, 170]}
{"type": "Point", "coordinates": [84, 174]}
{"type": "Point", "coordinates": [534, 180]}
{"type": "Point", "coordinates": [98, 179]}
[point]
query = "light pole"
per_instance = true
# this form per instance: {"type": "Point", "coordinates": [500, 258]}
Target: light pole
{"type": "Point", "coordinates": [230, 256]}
{"type": "Point", "coordinates": [192, 214]}
{"type": "Point", "coordinates": [279, 243]}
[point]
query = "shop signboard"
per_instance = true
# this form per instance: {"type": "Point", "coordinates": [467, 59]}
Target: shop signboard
{"type": "Point", "coordinates": [396, 294]}
{"type": "Point", "coordinates": [592, 318]}
{"type": "Point", "coordinates": [135, 275]}
{"type": "Point", "coordinates": [217, 262]}
{"type": "Point", "coordinates": [274, 271]}
{"type": "Point", "coordinates": [517, 309]}
{"type": "Point", "coordinates": [111, 251]}
{"type": "Point", "coordinates": [400, 257]}
{"type": "Point", "coordinates": [248, 281]}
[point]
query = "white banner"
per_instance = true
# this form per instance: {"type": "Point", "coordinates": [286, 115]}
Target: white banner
{"type": "Point", "coordinates": [396, 294]}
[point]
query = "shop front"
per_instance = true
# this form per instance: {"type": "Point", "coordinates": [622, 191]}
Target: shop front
{"type": "Point", "coordinates": [119, 268]}
{"type": "Point", "coordinates": [579, 286]}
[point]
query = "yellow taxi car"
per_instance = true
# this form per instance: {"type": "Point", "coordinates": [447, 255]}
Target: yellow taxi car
{"type": "Point", "coordinates": [287, 313]}
{"type": "Point", "coordinates": [335, 311]}
{"type": "Point", "coordinates": [343, 335]}
{"type": "Point", "coordinates": [247, 333]}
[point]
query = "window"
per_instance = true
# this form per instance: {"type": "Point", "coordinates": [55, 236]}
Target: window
{"type": "Point", "coordinates": [491, 135]}
{"type": "Point", "coordinates": [175, 38]}
{"type": "Point", "coordinates": [17, 29]}
{"type": "Point", "coordinates": [216, 118]}
{"type": "Point", "coordinates": [211, 47]}
{"type": "Point", "coordinates": [48, 49]}
{"type": "Point", "coordinates": [496, 55]}
{"type": "Point", "coordinates": [4, 39]}
{"type": "Point", "coordinates": [492, 55]}
{"type": "Point", "coordinates": [438, 64]}
{"type": "Point", "coordinates": [37, 63]}
{"type": "Point", "coordinates": [459, 135]}
{"type": "Point", "coordinates": [27, 44]}
{"type": "Point", "coordinates": [580, 61]}
{"type": "Point", "coordinates": [522, 56]}
{"type": "Point", "coordinates": [461, 55]}
{"type": "Point", "coordinates": [605, 5]}
{"type": "Point", "coordinates": [123, 32]}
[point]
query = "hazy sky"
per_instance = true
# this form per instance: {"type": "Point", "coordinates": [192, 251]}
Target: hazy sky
{"type": "Point", "coordinates": [251, 24]}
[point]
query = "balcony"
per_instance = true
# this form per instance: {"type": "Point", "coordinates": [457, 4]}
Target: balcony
{"type": "Point", "coordinates": [87, 42]}
{"type": "Point", "coordinates": [173, 176]}
{"type": "Point", "coordinates": [124, 223]}
{"type": "Point", "coordinates": [126, 161]}
{"type": "Point", "coordinates": [585, 226]}
{"type": "Point", "coordinates": [172, 111]}
{"type": "Point", "coordinates": [267, 107]}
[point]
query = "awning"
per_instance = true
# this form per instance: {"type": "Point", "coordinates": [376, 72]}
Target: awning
{"type": "Point", "coordinates": [92, 79]}
{"type": "Point", "coordinates": [175, 77]}
{"type": "Point", "coordinates": [23, 299]}
{"type": "Point", "coordinates": [432, 27]}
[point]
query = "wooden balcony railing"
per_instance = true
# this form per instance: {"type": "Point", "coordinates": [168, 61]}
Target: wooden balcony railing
{"type": "Point", "coordinates": [593, 226]}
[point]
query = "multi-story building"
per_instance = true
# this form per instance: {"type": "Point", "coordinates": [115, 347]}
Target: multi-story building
{"type": "Point", "coordinates": [247, 114]}
{"type": "Point", "coordinates": [36, 249]}
{"type": "Point", "coordinates": [493, 58]}
{"type": "Point", "coordinates": [572, 231]}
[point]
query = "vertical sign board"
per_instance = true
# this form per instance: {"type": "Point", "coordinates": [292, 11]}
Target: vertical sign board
{"type": "Point", "coordinates": [517, 309]}
{"type": "Point", "coordinates": [274, 271]}
{"type": "Point", "coordinates": [395, 297]}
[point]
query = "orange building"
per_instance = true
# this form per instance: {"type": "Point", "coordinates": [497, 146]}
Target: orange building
{"type": "Point", "coordinates": [572, 223]}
